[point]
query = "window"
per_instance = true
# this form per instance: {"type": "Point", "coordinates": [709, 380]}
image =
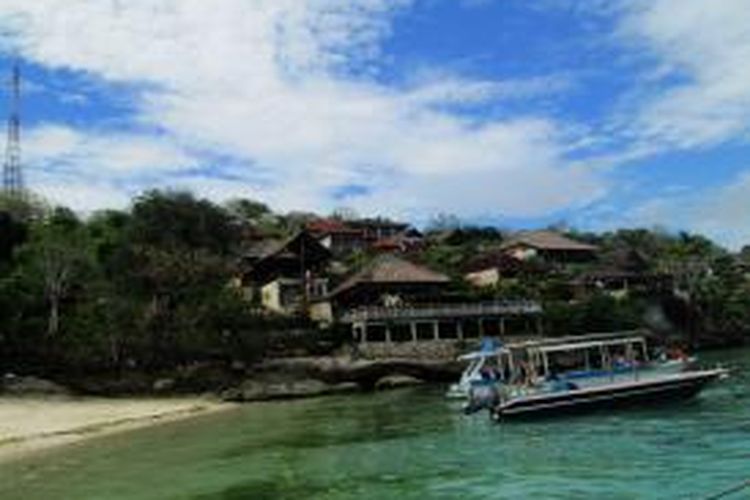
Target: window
{"type": "Point", "coordinates": [471, 329]}
{"type": "Point", "coordinates": [400, 332]}
{"type": "Point", "coordinates": [425, 331]}
{"type": "Point", "coordinates": [376, 333]}
{"type": "Point", "coordinates": [448, 330]}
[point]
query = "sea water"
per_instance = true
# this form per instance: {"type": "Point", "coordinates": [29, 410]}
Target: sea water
{"type": "Point", "coordinates": [410, 444]}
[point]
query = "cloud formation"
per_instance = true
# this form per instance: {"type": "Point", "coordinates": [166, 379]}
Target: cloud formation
{"type": "Point", "coordinates": [289, 101]}
{"type": "Point", "coordinates": [286, 93]}
{"type": "Point", "coordinates": [699, 94]}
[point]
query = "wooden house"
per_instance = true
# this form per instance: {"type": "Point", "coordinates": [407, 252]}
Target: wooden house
{"type": "Point", "coordinates": [387, 281]}
{"type": "Point", "coordinates": [337, 236]}
{"type": "Point", "coordinates": [489, 268]}
{"type": "Point", "coordinates": [621, 272]}
{"type": "Point", "coordinates": [378, 228]}
{"type": "Point", "coordinates": [549, 246]}
{"type": "Point", "coordinates": [285, 275]}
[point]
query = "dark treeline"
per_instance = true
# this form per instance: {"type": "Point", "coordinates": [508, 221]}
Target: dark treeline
{"type": "Point", "coordinates": [149, 288]}
{"type": "Point", "coordinates": [146, 288]}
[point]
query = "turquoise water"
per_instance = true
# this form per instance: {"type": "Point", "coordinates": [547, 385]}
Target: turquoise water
{"type": "Point", "coordinates": [410, 444]}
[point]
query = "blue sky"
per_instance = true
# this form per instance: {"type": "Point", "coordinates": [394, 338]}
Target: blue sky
{"type": "Point", "coordinates": [517, 113]}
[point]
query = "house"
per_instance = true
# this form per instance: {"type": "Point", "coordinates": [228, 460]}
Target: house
{"type": "Point", "coordinates": [397, 308]}
{"type": "Point", "coordinates": [406, 241]}
{"type": "Point", "coordinates": [337, 236]}
{"type": "Point", "coordinates": [378, 228]}
{"type": "Point", "coordinates": [489, 268]}
{"type": "Point", "coordinates": [389, 281]}
{"type": "Point", "coordinates": [549, 246]}
{"type": "Point", "coordinates": [285, 275]}
{"type": "Point", "coordinates": [620, 272]}
{"type": "Point", "coordinates": [386, 281]}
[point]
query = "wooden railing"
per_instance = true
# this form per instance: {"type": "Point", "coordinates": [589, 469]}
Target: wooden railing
{"type": "Point", "coordinates": [441, 311]}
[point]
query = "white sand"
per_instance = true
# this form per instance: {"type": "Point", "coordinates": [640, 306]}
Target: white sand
{"type": "Point", "coordinates": [27, 425]}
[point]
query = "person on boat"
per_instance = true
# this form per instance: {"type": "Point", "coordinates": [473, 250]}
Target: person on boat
{"type": "Point", "coordinates": [489, 374]}
{"type": "Point", "coordinates": [678, 354]}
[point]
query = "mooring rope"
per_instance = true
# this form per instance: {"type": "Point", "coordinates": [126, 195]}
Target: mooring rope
{"type": "Point", "coordinates": [734, 489]}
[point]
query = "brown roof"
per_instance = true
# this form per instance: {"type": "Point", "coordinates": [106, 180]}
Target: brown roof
{"type": "Point", "coordinates": [263, 257]}
{"type": "Point", "coordinates": [394, 270]}
{"type": "Point", "coordinates": [548, 240]}
{"type": "Point", "coordinates": [330, 226]}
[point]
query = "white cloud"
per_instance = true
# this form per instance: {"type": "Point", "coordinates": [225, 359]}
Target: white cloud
{"type": "Point", "coordinates": [103, 154]}
{"type": "Point", "coordinates": [269, 84]}
{"type": "Point", "coordinates": [722, 213]}
{"type": "Point", "coordinates": [700, 96]}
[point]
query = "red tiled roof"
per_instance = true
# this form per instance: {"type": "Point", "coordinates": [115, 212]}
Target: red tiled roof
{"type": "Point", "coordinates": [329, 226]}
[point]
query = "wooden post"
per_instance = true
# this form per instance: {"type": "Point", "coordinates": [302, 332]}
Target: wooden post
{"type": "Point", "coordinates": [460, 329]}
{"type": "Point", "coordinates": [502, 327]}
{"type": "Point", "coordinates": [480, 326]}
{"type": "Point", "coordinates": [387, 333]}
{"type": "Point", "coordinates": [413, 327]}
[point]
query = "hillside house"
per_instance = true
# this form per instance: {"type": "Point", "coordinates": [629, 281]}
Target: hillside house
{"type": "Point", "coordinates": [620, 273]}
{"type": "Point", "coordinates": [489, 268]}
{"type": "Point", "coordinates": [283, 276]}
{"type": "Point", "coordinates": [550, 247]}
{"type": "Point", "coordinates": [337, 236]}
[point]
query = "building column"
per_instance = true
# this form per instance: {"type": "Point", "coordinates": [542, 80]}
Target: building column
{"type": "Point", "coordinates": [502, 327]}
{"type": "Point", "coordinates": [460, 329]}
{"type": "Point", "coordinates": [387, 333]}
{"type": "Point", "coordinates": [480, 327]}
{"type": "Point", "coordinates": [436, 330]}
{"type": "Point", "coordinates": [413, 328]}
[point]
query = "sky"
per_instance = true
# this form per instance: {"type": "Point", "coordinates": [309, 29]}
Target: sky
{"type": "Point", "coordinates": [599, 114]}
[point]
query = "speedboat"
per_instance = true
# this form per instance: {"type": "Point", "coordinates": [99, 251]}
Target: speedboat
{"type": "Point", "coordinates": [652, 390]}
{"type": "Point", "coordinates": [548, 376]}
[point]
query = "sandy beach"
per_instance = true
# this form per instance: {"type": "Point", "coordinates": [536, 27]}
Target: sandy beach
{"type": "Point", "coordinates": [32, 424]}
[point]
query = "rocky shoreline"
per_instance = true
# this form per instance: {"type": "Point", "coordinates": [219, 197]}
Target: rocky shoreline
{"type": "Point", "coordinates": [272, 379]}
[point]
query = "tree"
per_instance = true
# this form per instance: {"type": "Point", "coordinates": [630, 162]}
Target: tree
{"type": "Point", "coordinates": [244, 210]}
{"type": "Point", "coordinates": [57, 255]}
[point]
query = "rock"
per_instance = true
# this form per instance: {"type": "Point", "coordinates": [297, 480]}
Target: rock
{"type": "Point", "coordinates": [163, 385]}
{"type": "Point", "coordinates": [238, 366]}
{"type": "Point", "coordinates": [394, 381]}
{"type": "Point", "coordinates": [344, 387]}
{"type": "Point", "coordinates": [31, 386]}
{"type": "Point", "coordinates": [258, 390]}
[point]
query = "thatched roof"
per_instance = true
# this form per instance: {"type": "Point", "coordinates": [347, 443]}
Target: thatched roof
{"type": "Point", "coordinates": [389, 269]}
{"type": "Point", "coordinates": [266, 258]}
{"type": "Point", "coordinates": [548, 240]}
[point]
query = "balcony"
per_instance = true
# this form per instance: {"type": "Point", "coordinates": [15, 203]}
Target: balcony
{"type": "Point", "coordinates": [441, 311]}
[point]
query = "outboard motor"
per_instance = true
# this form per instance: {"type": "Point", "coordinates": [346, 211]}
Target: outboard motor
{"type": "Point", "coordinates": [482, 395]}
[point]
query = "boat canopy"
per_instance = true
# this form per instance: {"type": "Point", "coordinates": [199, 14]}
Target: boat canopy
{"type": "Point", "coordinates": [481, 354]}
{"type": "Point", "coordinates": [589, 344]}
{"type": "Point", "coordinates": [578, 339]}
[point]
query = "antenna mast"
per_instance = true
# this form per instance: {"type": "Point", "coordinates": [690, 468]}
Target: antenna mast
{"type": "Point", "coordinates": [12, 174]}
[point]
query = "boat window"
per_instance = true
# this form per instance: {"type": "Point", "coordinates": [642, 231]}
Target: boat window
{"type": "Point", "coordinates": [566, 361]}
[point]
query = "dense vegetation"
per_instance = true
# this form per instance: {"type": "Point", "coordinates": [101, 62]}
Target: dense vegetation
{"type": "Point", "coordinates": [148, 288]}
